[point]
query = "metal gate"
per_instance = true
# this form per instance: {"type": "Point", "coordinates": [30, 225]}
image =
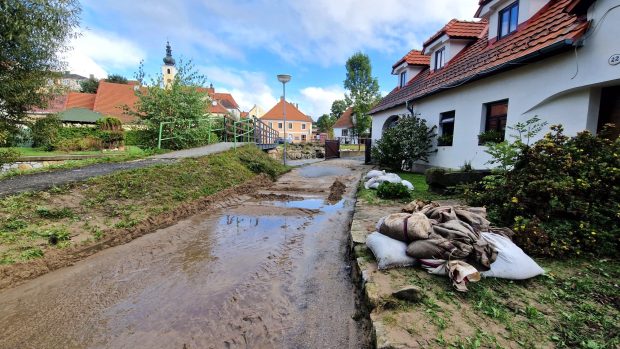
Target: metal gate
{"type": "Point", "coordinates": [367, 150]}
{"type": "Point", "coordinates": [332, 149]}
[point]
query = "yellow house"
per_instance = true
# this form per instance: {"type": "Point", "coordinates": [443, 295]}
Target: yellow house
{"type": "Point", "coordinates": [298, 125]}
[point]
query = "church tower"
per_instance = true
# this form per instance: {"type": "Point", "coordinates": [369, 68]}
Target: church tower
{"type": "Point", "coordinates": [169, 70]}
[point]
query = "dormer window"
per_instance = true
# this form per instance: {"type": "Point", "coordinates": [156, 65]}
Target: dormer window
{"type": "Point", "coordinates": [403, 79]}
{"type": "Point", "coordinates": [440, 58]}
{"type": "Point", "coordinates": [508, 19]}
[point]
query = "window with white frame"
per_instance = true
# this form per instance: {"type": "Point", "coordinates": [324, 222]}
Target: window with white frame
{"type": "Point", "coordinates": [279, 125]}
{"type": "Point", "coordinates": [403, 79]}
{"type": "Point", "coordinates": [508, 19]}
{"type": "Point", "coordinates": [345, 132]}
{"type": "Point", "coordinates": [440, 58]}
{"type": "Point", "coordinates": [290, 125]}
{"type": "Point", "coordinates": [303, 126]}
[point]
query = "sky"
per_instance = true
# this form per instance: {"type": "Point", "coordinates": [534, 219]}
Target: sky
{"type": "Point", "coordinates": [241, 45]}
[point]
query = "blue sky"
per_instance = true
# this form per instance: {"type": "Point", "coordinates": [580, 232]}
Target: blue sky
{"type": "Point", "coordinates": [240, 45]}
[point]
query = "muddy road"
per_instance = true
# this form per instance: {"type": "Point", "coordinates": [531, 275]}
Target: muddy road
{"type": "Point", "coordinates": [270, 272]}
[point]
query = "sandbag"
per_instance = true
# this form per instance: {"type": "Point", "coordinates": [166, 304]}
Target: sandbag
{"type": "Point", "coordinates": [388, 252]}
{"type": "Point", "coordinates": [407, 184]}
{"type": "Point", "coordinates": [511, 262]}
{"type": "Point", "coordinates": [406, 227]}
{"type": "Point", "coordinates": [374, 182]}
{"type": "Point", "coordinates": [374, 173]}
{"type": "Point", "coordinates": [438, 248]}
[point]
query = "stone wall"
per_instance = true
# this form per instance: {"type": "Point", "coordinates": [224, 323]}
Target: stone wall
{"type": "Point", "coordinates": [28, 165]}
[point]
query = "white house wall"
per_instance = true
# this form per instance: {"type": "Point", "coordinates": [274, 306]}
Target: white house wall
{"type": "Point", "coordinates": [563, 89]}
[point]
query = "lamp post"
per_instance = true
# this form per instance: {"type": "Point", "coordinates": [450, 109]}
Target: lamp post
{"type": "Point", "coordinates": [284, 78]}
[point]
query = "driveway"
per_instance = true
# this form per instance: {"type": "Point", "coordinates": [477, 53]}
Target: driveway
{"type": "Point", "coordinates": [270, 272]}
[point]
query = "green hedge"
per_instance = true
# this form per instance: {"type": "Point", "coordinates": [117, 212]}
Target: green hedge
{"type": "Point", "coordinates": [562, 197]}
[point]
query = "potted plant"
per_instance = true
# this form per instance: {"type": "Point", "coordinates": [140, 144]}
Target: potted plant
{"type": "Point", "coordinates": [491, 136]}
{"type": "Point", "coordinates": [444, 141]}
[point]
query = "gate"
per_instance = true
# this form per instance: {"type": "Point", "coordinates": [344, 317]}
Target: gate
{"type": "Point", "coordinates": [332, 149]}
{"type": "Point", "coordinates": [367, 150]}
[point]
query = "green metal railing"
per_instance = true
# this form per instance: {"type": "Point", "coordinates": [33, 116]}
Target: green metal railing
{"type": "Point", "coordinates": [226, 128]}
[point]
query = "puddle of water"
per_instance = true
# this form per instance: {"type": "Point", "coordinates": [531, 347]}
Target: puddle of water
{"type": "Point", "coordinates": [310, 204]}
{"type": "Point", "coordinates": [322, 171]}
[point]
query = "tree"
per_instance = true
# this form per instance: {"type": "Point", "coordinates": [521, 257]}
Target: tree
{"type": "Point", "coordinates": [401, 146]}
{"type": "Point", "coordinates": [33, 36]}
{"type": "Point", "coordinates": [117, 79]}
{"type": "Point", "coordinates": [184, 103]}
{"type": "Point", "coordinates": [363, 91]}
{"type": "Point", "coordinates": [338, 107]}
{"type": "Point", "coordinates": [325, 123]}
{"type": "Point", "coordinates": [90, 85]}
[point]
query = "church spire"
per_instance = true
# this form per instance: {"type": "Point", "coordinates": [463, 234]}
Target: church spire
{"type": "Point", "coordinates": [168, 60]}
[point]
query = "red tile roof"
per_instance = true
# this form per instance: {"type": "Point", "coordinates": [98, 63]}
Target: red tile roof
{"type": "Point", "coordinates": [292, 113]}
{"type": "Point", "coordinates": [55, 105]}
{"type": "Point", "coordinates": [414, 57]}
{"type": "Point", "coordinates": [217, 108]}
{"type": "Point", "coordinates": [344, 121]}
{"type": "Point", "coordinates": [80, 100]}
{"type": "Point", "coordinates": [112, 97]}
{"type": "Point", "coordinates": [459, 30]}
{"type": "Point", "coordinates": [549, 31]}
{"type": "Point", "coordinates": [226, 99]}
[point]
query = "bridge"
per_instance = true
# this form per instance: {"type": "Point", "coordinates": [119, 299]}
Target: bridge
{"type": "Point", "coordinates": [225, 129]}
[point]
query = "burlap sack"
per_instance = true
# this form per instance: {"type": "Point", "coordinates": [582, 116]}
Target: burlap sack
{"type": "Point", "coordinates": [406, 227]}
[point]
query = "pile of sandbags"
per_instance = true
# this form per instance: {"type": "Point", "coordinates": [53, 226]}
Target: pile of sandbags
{"type": "Point", "coordinates": [374, 178]}
{"type": "Point", "coordinates": [457, 241]}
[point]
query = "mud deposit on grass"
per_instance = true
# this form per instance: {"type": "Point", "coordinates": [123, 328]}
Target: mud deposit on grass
{"type": "Point", "coordinates": [258, 274]}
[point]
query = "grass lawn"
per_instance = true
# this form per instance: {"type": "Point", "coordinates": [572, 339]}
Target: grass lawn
{"type": "Point", "coordinates": [131, 153]}
{"type": "Point", "coordinates": [26, 151]}
{"type": "Point", "coordinates": [83, 212]}
{"type": "Point", "coordinates": [420, 192]}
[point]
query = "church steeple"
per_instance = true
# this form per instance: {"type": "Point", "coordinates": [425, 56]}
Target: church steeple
{"type": "Point", "coordinates": [168, 60]}
{"type": "Point", "coordinates": [169, 70]}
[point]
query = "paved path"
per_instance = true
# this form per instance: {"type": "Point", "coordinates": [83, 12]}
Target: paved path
{"type": "Point", "coordinates": [201, 151]}
{"type": "Point", "coordinates": [47, 180]}
{"type": "Point", "coordinates": [265, 272]}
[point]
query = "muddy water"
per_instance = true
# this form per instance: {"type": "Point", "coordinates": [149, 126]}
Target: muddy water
{"type": "Point", "coordinates": [262, 274]}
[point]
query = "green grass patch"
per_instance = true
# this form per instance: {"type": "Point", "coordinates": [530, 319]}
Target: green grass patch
{"type": "Point", "coordinates": [54, 218]}
{"type": "Point", "coordinates": [420, 191]}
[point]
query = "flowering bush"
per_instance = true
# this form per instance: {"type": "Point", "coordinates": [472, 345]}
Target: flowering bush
{"type": "Point", "coordinates": [562, 197]}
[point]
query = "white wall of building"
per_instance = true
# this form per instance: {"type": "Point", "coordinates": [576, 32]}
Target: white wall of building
{"type": "Point", "coordinates": [562, 89]}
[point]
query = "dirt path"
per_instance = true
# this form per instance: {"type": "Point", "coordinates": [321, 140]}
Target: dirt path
{"type": "Point", "coordinates": [271, 272]}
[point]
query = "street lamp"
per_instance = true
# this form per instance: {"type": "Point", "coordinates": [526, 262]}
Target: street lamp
{"type": "Point", "coordinates": [284, 78]}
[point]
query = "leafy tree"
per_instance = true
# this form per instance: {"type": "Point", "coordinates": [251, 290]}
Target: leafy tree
{"type": "Point", "coordinates": [401, 146]}
{"type": "Point", "coordinates": [117, 79]}
{"type": "Point", "coordinates": [184, 102]}
{"type": "Point", "coordinates": [338, 107]}
{"type": "Point", "coordinates": [89, 85]}
{"type": "Point", "coordinates": [325, 123]}
{"type": "Point", "coordinates": [33, 35]}
{"type": "Point", "coordinates": [363, 91]}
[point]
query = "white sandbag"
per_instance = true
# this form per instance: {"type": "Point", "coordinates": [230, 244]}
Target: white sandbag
{"type": "Point", "coordinates": [511, 263]}
{"type": "Point", "coordinates": [390, 177]}
{"type": "Point", "coordinates": [388, 252]}
{"type": "Point", "coordinates": [407, 184]}
{"type": "Point", "coordinates": [380, 223]}
{"type": "Point", "coordinates": [374, 173]}
{"type": "Point", "coordinates": [435, 266]}
{"type": "Point", "coordinates": [372, 183]}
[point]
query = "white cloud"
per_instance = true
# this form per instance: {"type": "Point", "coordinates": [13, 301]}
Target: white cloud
{"type": "Point", "coordinates": [101, 53]}
{"type": "Point", "coordinates": [248, 88]}
{"type": "Point", "coordinates": [327, 31]}
{"type": "Point", "coordinates": [317, 101]}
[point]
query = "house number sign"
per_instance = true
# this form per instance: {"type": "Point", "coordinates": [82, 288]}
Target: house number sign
{"type": "Point", "coordinates": [615, 59]}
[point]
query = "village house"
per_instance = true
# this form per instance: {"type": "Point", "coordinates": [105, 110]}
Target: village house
{"type": "Point", "coordinates": [298, 125]}
{"type": "Point", "coordinates": [554, 59]}
{"type": "Point", "coordinates": [343, 128]}
{"type": "Point", "coordinates": [111, 98]}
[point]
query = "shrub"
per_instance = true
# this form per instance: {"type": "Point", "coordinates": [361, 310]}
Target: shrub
{"type": "Point", "coordinates": [45, 132]}
{"type": "Point", "coordinates": [8, 155]}
{"type": "Point", "coordinates": [69, 132]}
{"type": "Point", "coordinates": [195, 137]}
{"type": "Point", "coordinates": [79, 144]}
{"type": "Point", "coordinates": [491, 136]}
{"type": "Point", "coordinates": [140, 138]}
{"type": "Point", "coordinates": [401, 146]}
{"type": "Point", "coordinates": [109, 124]}
{"type": "Point", "coordinates": [389, 190]}
{"type": "Point", "coordinates": [562, 197]}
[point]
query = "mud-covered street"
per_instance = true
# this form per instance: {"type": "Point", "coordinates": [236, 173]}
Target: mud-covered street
{"type": "Point", "coordinates": [271, 271]}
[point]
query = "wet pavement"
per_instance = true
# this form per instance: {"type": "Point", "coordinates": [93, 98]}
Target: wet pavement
{"type": "Point", "coordinates": [260, 274]}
